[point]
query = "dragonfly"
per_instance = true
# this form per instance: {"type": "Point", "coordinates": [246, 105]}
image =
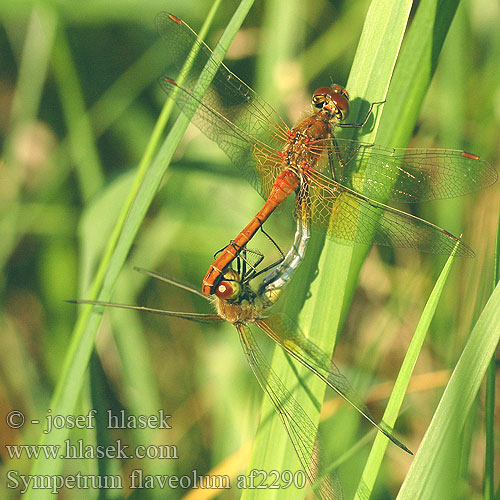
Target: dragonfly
{"type": "Point", "coordinates": [344, 183]}
{"type": "Point", "coordinates": [238, 303]}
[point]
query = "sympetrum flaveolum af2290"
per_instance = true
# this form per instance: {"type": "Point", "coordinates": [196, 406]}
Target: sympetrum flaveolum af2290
{"type": "Point", "coordinates": [344, 183]}
{"type": "Point", "coordinates": [237, 301]}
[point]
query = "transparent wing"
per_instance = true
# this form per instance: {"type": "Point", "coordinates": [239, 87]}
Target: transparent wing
{"type": "Point", "coordinates": [408, 175]}
{"type": "Point", "coordinates": [232, 115]}
{"type": "Point", "coordinates": [287, 334]}
{"type": "Point", "coordinates": [258, 163]}
{"type": "Point", "coordinates": [300, 429]}
{"type": "Point", "coordinates": [347, 216]}
{"type": "Point", "coordinates": [198, 317]}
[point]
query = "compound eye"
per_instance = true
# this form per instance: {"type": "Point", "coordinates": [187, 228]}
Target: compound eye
{"type": "Point", "coordinates": [319, 95]}
{"type": "Point", "coordinates": [342, 105]}
{"type": "Point", "coordinates": [228, 290]}
{"type": "Point", "coordinates": [340, 90]}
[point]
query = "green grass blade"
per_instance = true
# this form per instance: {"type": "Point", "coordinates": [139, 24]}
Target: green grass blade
{"type": "Point", "coordinates": [369, 79]}
{"type": "Point", "coordinates": [321, 315]}
{"type": "Point", "coordinates": [428, 475]}
{"type": "Point", "coordinates": [68, 388]}
{"type": "Point", "coordinates": [81, 137]}
{"type": "Point", "coordinates": [374, 461]}
{"type": "Point", "coordinates": [33, 68]}
{"type": "Point", "coordinates": [489, 424]}
{"type": "Point", "coordinates": [412, 76]}
{"type": "Point", "coordinates": [418, 59]}
{"type": "Point", "coordinates": [414, 71]}
{"type": "Point", "coordinates": [34, 64]}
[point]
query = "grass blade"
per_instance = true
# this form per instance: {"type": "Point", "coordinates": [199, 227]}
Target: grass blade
{"type": "Point", "coordinates": [428, 475]}
{"type": "Point", "coordinates": [417, 61]}
{"type": "Point", "coordinates": [321, 315]}
{"type": "Point", "coordinates": [489, 453]}
{"type": "Point", "coordinates": [374, 461]}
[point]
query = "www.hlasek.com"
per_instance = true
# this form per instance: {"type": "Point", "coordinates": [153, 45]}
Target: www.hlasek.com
{"type": "Point", "coordinates": [79, 450]}
{"type": "Point", "coordinates": [138, 479]}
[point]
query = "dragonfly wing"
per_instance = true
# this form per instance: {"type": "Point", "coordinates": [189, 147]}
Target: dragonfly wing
{"type": "Point", "coordinates": [198, 317]}
{"type": "Point", "coordinates": [288, 335]}
{"type": "Point", "coordinates": [232, 115]}
{"type": "Point", "coordinates": [299, 427]}
{"type": "Point", "coordinates": [258, 163]}
{"type": "Point", "coordinates": [348, 216]}
{"type": "Point", "coordinates": [172, 281]}
{"type": "Point", "coordinates": [408, 175]}
{"type": "Point", "coordinates": [235, 100]}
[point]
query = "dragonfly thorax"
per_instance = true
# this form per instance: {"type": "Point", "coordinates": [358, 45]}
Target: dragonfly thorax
{"type": "Point", "coordinates": [236, 301]}
{"type": "Point", "coordinates": [301, 148]}
{"type": "Point", "coordinates": [241, 310]}
{"type": "Point", "coordinates": [332, 101]}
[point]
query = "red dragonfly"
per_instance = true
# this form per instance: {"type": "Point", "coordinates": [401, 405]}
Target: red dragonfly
{"type": "Point", "coordinates": [343, 183]}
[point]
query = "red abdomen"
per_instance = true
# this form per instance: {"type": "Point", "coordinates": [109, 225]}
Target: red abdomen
{"type": "Point", "coordinates": [286, 183]}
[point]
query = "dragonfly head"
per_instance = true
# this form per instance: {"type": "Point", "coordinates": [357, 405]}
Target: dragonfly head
{"type": "Point", "coordinates": [229, 288]}
{"type": "Point", "coordinates": [333, 101]}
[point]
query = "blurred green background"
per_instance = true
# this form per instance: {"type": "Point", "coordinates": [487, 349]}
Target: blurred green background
{"type": "Point", "coordinates": [78, 101]}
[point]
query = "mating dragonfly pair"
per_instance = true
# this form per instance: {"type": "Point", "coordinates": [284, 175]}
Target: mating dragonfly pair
{"type": "Point", "coordinates": [341, 187]}
{"type": "Point", "coordinates": [239, 303]}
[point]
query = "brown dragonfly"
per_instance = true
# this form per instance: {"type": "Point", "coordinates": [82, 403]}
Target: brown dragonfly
{"type": "Point", "coordinates": [237, 302]}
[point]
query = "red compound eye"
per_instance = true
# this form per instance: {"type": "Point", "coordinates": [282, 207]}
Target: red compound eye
{"type": "Point", "coordinates": [226, 290]}
{"type": "Point", "coordinates": [322, 91]}
{"type": "Point", "coordinates": [340, 90]}
{"type": "Point", "coordinates": [336, 94]}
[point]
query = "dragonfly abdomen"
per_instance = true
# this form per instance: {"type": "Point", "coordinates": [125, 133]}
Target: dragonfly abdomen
{"type": "Point", "coordinates": [286, 183]}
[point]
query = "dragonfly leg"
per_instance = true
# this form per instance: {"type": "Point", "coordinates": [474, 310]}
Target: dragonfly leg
{"type": "Point", "coordinates": [232, 243]}
{"type": "Point", "coordinates": [363, 123]}
{"type": "Point", "coordinates": [279, 260]}
{"type": "Point", "coordinates": [254, 273]}
{"type": "Point", "coordinates": [334, 157]}
{"type": "Point", "coordinates": [246, 268]}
